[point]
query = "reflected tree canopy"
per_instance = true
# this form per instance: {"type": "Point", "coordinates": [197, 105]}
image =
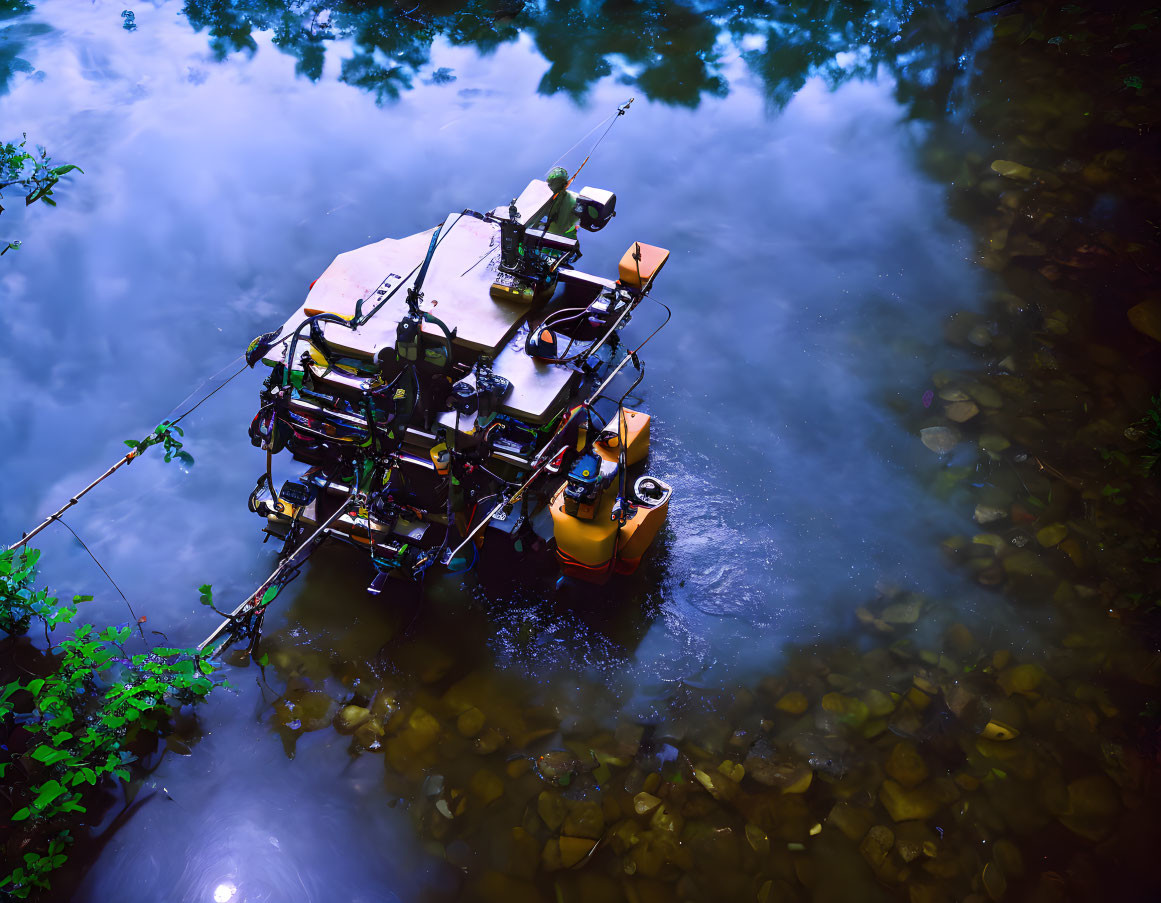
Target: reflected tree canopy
{"type": "Point", "coordinates": [671, 52]}
{"type": "Point", "coordinates": [13, 37]}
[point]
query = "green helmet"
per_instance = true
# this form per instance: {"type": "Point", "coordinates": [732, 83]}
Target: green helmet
{"type": "Point", "coordinates": [557, 175]}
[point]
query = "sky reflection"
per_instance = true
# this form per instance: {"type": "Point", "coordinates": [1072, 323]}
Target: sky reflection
{"type": "Point", "coordinates": [812, 265]}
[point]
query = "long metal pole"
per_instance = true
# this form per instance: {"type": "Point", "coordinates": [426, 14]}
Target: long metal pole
{"type": "Point", "coordinates": [269, 581]}
{"type": "Point", "coordinates": [519, 492]}
{"type": "Point", "coordinates": [76, 498]}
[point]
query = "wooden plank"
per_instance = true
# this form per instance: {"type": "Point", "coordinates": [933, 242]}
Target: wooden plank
{"type": "Point", "coordinates": [353, 275]}
{"type": "Point", "coordinates": [532, 203]}
{"type": "Point", "coordinates": [538, 392]}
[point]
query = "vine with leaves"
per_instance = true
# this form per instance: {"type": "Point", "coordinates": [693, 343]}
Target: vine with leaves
{"type": "Point", "coordinates": [73, 717]}
{"type": "Point", "coordinates": [33, 172]}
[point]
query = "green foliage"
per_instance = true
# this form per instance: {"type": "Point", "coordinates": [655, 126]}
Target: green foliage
{"type": "Point", "coordinates": [669, 50]}
{"type": "Point", "coordinates": [31, 171]}
{"type": "Point", "coordinates": [163, 433]}
{"type": "Point", "coordinates": [20, 601]}
{"type": "Point", "coordinates": [77, 719]}
{"type": "Point", "coordinates": [1150, 425]}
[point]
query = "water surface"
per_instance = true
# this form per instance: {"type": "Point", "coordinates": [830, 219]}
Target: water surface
{"type": "Point", "coordinates": [778, 154]}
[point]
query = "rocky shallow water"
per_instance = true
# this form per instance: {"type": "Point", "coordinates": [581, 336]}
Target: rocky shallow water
{"type": "Point", "coordinates": [912, 742]}
{"type": "Point", "coordinates": [926, 759]}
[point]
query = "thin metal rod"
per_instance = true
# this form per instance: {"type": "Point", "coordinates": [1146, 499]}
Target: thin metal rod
{"type": "Point", "coordinates": [72, 501]}
{"type": "Point", "coordinates": [511, 501]}
{"type": "Point", "coordinates": [128, 457]}
{"type": "Point", "coordinates": [519, 492]}
{"type": "Point", "coordinates": [249, 602]}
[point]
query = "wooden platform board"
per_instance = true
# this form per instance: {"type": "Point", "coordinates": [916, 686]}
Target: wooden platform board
{"type": "Point", "coordinates": [538, 389]}
{"type": "Point", "coordinates": [456, 289]}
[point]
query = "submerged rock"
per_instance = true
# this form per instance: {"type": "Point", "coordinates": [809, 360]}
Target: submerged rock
{"type": "Point", "coordinates": [987, 514]}
{"type": "Point", "coordinates": [551, 808]}
{"type": "Point", "coordinates": [904, 612]}
{"type": "Point", "coordinates": [905, 765]}
{"type": "Point", "coordinates": [766, 767]}
{"type": "Point", "coordinates": [793, 703]}
{"type": "Point", "coordinates": [556, 766]}
{"type": "Point", "coordinates": [305, 710]}
{"type": "Point", "coordinates": [904, 804]}
{"type": "Point", "coordinates": [1092, 808]}
{"type": "Point", "coordinates": [940, 439]}
{"type": "Point", "coordinates": [1012, 170]}
{"type": "Point", "coordinates": [1146, 318]}
{"type": "Point", "coordinates": [1051, 535]}
{"type": "Point", "coordinates": [993, 443]}
{"type": "Point", "coordinates": [350, 717]}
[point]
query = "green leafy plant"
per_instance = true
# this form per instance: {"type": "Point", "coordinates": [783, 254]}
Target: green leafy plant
{"type": "Point", "coordinates": [1150, 427]}
{"type": "Point", "coordinates": [33, 172]}
{"type": "Point", "coordinates": [76, 716]}
{"type": "Point", "coordinates": [163, 433]}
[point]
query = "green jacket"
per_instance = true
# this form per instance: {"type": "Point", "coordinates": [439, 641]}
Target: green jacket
{"type": "Point", "coordinates": [562, 218]}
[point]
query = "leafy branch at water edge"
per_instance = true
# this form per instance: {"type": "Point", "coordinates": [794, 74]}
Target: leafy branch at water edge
{"type": "Point", "coordinates": [73, 717]}
{"type": "Point", "coordinates": [1149, 428]}
{"type": "Point", "coordinates": [33, 172]}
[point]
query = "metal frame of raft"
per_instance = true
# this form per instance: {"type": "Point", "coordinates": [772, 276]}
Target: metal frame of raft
{"type": "Point", "coordinates": [430, 437]}
{"type": "Point", "coordinates": [432, 430]}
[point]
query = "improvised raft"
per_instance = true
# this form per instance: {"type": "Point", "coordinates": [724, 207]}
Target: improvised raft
{"type": "Point", "coordinates": [457, 386]}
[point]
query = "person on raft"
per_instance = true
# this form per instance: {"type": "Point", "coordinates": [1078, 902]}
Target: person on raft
{"type": "Point", "coordinates": [562, 215]}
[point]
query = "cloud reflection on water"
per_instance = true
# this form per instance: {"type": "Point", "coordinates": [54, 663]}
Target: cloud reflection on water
{"type": "Point", "coordinates": [812, 265]}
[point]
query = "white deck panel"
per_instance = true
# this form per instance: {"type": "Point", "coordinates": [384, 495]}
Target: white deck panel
{"type": "Point", "coordinates": [538, 389]}
{"type": "Point", "coordinates": [456, 289]}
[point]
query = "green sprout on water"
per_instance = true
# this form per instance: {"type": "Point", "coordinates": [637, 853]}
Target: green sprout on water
{"type": "Point", "coordinates": [165, 434]}
{"type": "Point", "coordinates": [33, 173]}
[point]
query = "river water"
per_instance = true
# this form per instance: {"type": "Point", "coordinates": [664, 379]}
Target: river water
{"type": "Point", "coordinates": [782, 154]}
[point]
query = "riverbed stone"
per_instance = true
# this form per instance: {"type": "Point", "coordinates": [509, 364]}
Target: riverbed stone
{"type": "Point", "coordinates": [486, 786]}
{"type": "Point", "coordinates": [556, 765]}
{"type": "Point", "coordinates": [1022, 679]}
{"type": "Point", "coordinates": [985, 396]}
{"type": "Point", "coordinates": [551, 808]}
{"type": "Point", "coordinates": [980, 336]}
{"type": "Point", "coordinates": [1051, 535]}
{"type": "Point", "coordinates": [988, 514]}
{"type": "Point", "coordinates": [906, 765]}
{"type": "Point", "coordinates": [1093, 806]}
{"type": "Point", "coordinates": [853, 820]}
{"type": "Point", "coordinates": [793, 703]}
{"type": "Point", "coordinates": [994, 883]}
{"type": "Point", "coordinates": [940, 439]}
{"type": "Point", "coordinates": [1146, 318]}
{"type": "Point", "coordinates": [903, 612]}
{"type": "Point", "coordinates": [876, 846]}
{"type": "Point", "coordinates": [305, 710]}
{"type": "Point", "coordinates": [470, 722]}
{"type": "Point", "coordinates": [422, 730]}
{"type": "Point", "coordinates": [993, 443]}
{"type": "Point", "coordinates": [574, 849]}
{"type": "Point", "coordinates": [350, 717]}
{"type": "Point", "coordinates": [1010, 169]}
{"type": "Point", "coordinates": [904, 804]}
{"type": "Point", "coordinates": [718, 785]}
{"type": "Point", "coordinates": [584, 818]}
{"type": "Point", "coordinates": [878, 703]}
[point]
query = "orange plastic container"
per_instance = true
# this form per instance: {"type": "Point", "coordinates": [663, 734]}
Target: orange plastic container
{"type": "Point", "coordinates": [640, 273]}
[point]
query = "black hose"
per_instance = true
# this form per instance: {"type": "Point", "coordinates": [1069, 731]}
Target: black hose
{"type": "Point", "coordinates": [316, 318]}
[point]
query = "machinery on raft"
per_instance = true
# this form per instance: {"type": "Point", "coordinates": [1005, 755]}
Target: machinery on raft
{"type": "Point", "coordinates": [462, 389]}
